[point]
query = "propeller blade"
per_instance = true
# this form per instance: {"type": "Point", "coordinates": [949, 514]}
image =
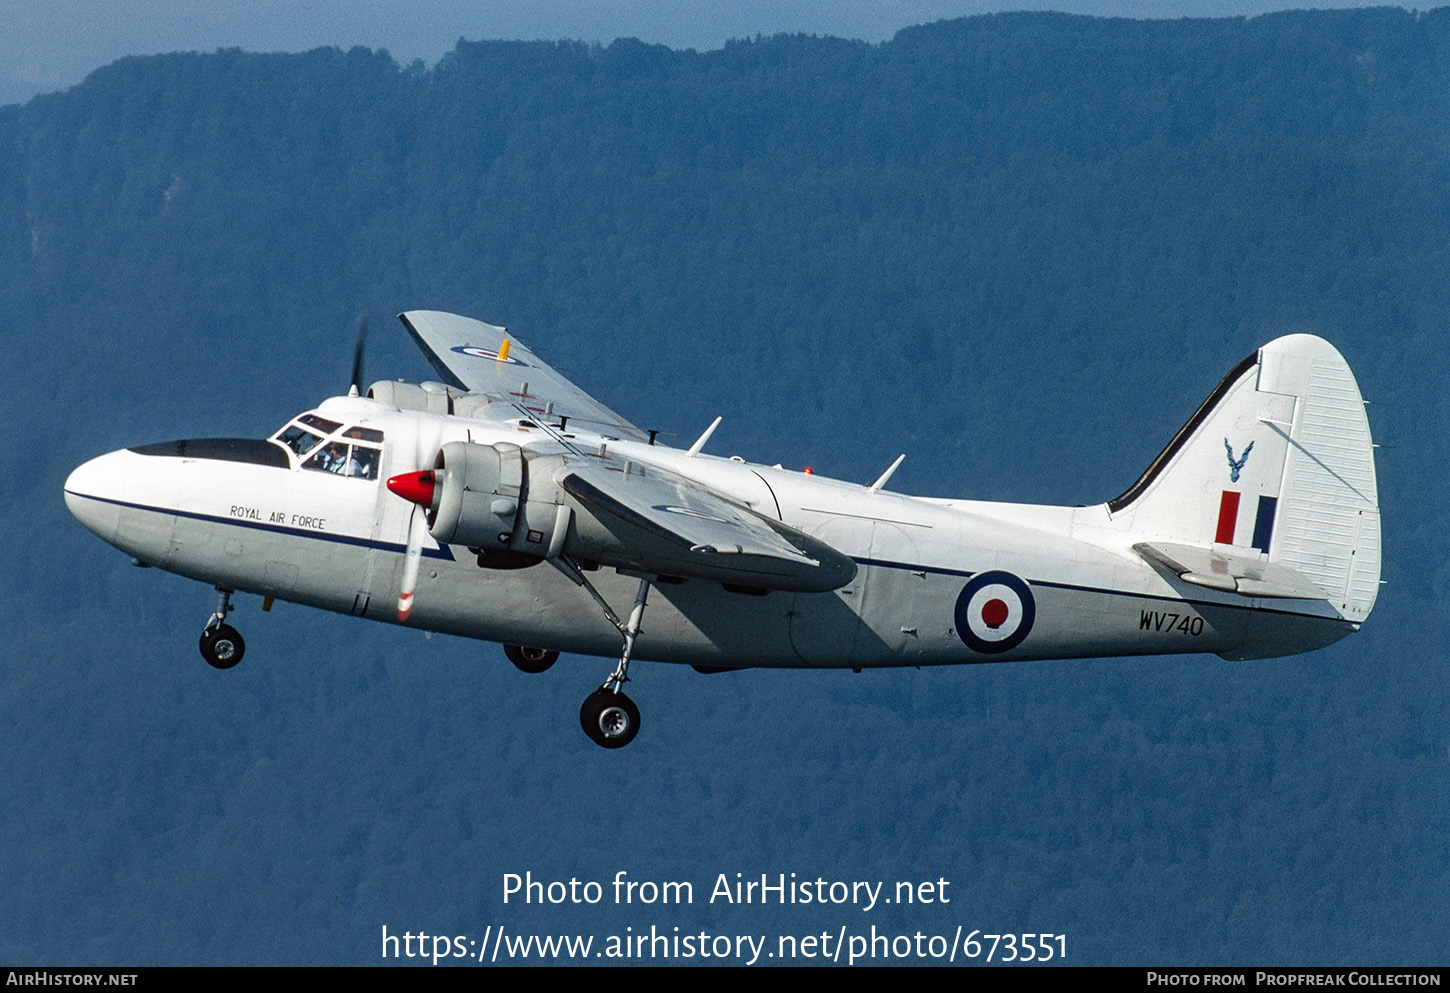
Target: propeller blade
{"type": "Point", "coordinates": [357, 355]}
{"type": "Point", "coordinates": [417, 528]}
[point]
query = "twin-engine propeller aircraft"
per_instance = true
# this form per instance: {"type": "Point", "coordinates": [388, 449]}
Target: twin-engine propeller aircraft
{"type": "Point", "coordinates": [506, 504]}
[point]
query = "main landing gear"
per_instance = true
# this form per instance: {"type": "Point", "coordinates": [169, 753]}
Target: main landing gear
{"type": "Point", "coordinates": [221, 645]}
{"type": "Point", "coordinates": [609, 718]}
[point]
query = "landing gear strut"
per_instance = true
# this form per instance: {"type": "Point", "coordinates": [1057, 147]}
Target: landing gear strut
{"type": "Point", "coordinates": [221, 645]}
{"type": "Point", "coordinates": [609, 718]}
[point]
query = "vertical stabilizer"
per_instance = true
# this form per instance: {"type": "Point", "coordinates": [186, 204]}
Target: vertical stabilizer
{"type": "Point", "coordinates": [1276, 466]}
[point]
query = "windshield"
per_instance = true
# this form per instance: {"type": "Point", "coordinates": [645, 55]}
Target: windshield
{"type": "Point", "coordinates": [328, 446]}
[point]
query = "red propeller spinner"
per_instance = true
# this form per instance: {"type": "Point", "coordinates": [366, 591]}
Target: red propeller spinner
{"type": "Point", "coordinates": [414, 486]}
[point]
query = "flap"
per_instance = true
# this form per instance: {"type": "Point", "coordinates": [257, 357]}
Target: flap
{"type": "Point", "coordinates": [696, 532]}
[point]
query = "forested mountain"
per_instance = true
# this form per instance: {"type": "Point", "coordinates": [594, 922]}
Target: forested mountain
{"type": "Point", "coordinates": [1021, 248]}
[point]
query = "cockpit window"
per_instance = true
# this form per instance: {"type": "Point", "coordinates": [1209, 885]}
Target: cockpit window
{"type": "Point", "coordinates": [339, 458]}
{"type": "Point", "coordinates": [329, 458]}
{"type": "Point", "coordinates": [328, 446]}
{"type": "Point", "coordinates": [298, 439]}
{"type": "Point", "coordinates": [322, 424]}
{"type": "Point", "coordinates": [364, 462]}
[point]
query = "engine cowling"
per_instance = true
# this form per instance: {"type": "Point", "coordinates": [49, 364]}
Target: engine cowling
{"type": "Point", "coordinates": [482, 496]}
{"type": "Point", "coordinates": [480, 488]}
{"type": "Point", "coordinates": [432, 398]}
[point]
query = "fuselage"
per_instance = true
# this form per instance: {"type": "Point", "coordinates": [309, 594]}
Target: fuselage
{"type": "Point", "coordinates": [937, 581]}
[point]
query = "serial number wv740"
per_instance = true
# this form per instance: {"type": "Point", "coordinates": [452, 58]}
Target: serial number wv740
{"type": "Point", "coordinates": [1159, 620]}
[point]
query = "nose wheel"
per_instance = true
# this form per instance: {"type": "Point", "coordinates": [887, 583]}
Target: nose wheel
{"type": "Point", "coordinates": [221, 645]}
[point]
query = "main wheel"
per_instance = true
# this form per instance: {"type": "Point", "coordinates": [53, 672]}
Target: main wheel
{"type": "Point", "coordinates": [611, 720]}
{"type": "Point", "coordinates": [222, 646]}
{"type": "Point", "coordinates": [530, 659]}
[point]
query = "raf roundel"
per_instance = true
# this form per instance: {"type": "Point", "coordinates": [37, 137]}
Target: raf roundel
{"type": "Point", "coordinates": [994, 613]}
{"type": "Point", "coordinates": [671, 509]}
{"type": "Point", "coordinates": [484, 353]}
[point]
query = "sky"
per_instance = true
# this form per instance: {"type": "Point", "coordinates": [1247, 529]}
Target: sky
{"type": "Point", "coordinates": [52, 46]}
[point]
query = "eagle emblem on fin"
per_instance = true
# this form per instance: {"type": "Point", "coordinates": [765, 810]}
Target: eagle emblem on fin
{"type": "Point", "coordinates": [1235, 467]}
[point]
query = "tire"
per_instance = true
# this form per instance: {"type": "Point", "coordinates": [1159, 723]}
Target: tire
{"type": "Point", "coordinates": [532, 660]}
{"type": "Point", "coordinates": [611, 720]}
{"type": "Point", "coordinates": [222, 646]}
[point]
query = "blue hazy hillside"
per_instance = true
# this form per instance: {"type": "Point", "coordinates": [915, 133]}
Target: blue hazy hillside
{"type": "Point", "coordinates": [1021, 249]}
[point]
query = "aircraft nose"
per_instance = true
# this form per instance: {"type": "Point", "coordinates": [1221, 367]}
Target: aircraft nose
{"type": "Point", "coordinates": [94, 491]}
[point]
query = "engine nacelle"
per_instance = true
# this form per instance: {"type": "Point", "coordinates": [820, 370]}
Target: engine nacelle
{"type": "Point", "coordinates": [484, 498]}
{"type": "Point", "coordinates": [431, 398]}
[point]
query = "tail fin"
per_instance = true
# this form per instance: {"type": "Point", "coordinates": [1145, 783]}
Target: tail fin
{"type": "Point", "coordinates": [1270, 485]}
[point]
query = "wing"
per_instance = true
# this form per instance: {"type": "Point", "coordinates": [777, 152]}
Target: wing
{"type": "Point", "coordinates": [469, 355]}
{"type": "Point", "coordinates": [667, 524]}
{"type": "Point", "coordinates": [637, 516]}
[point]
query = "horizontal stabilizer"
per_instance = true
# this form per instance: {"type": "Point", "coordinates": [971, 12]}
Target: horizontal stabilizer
{"type": "Point", "coordinates": [1246, 575]}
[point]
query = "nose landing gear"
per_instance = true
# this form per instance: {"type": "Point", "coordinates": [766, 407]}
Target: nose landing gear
{"type": "Point", "coordinates": [221, 645]}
